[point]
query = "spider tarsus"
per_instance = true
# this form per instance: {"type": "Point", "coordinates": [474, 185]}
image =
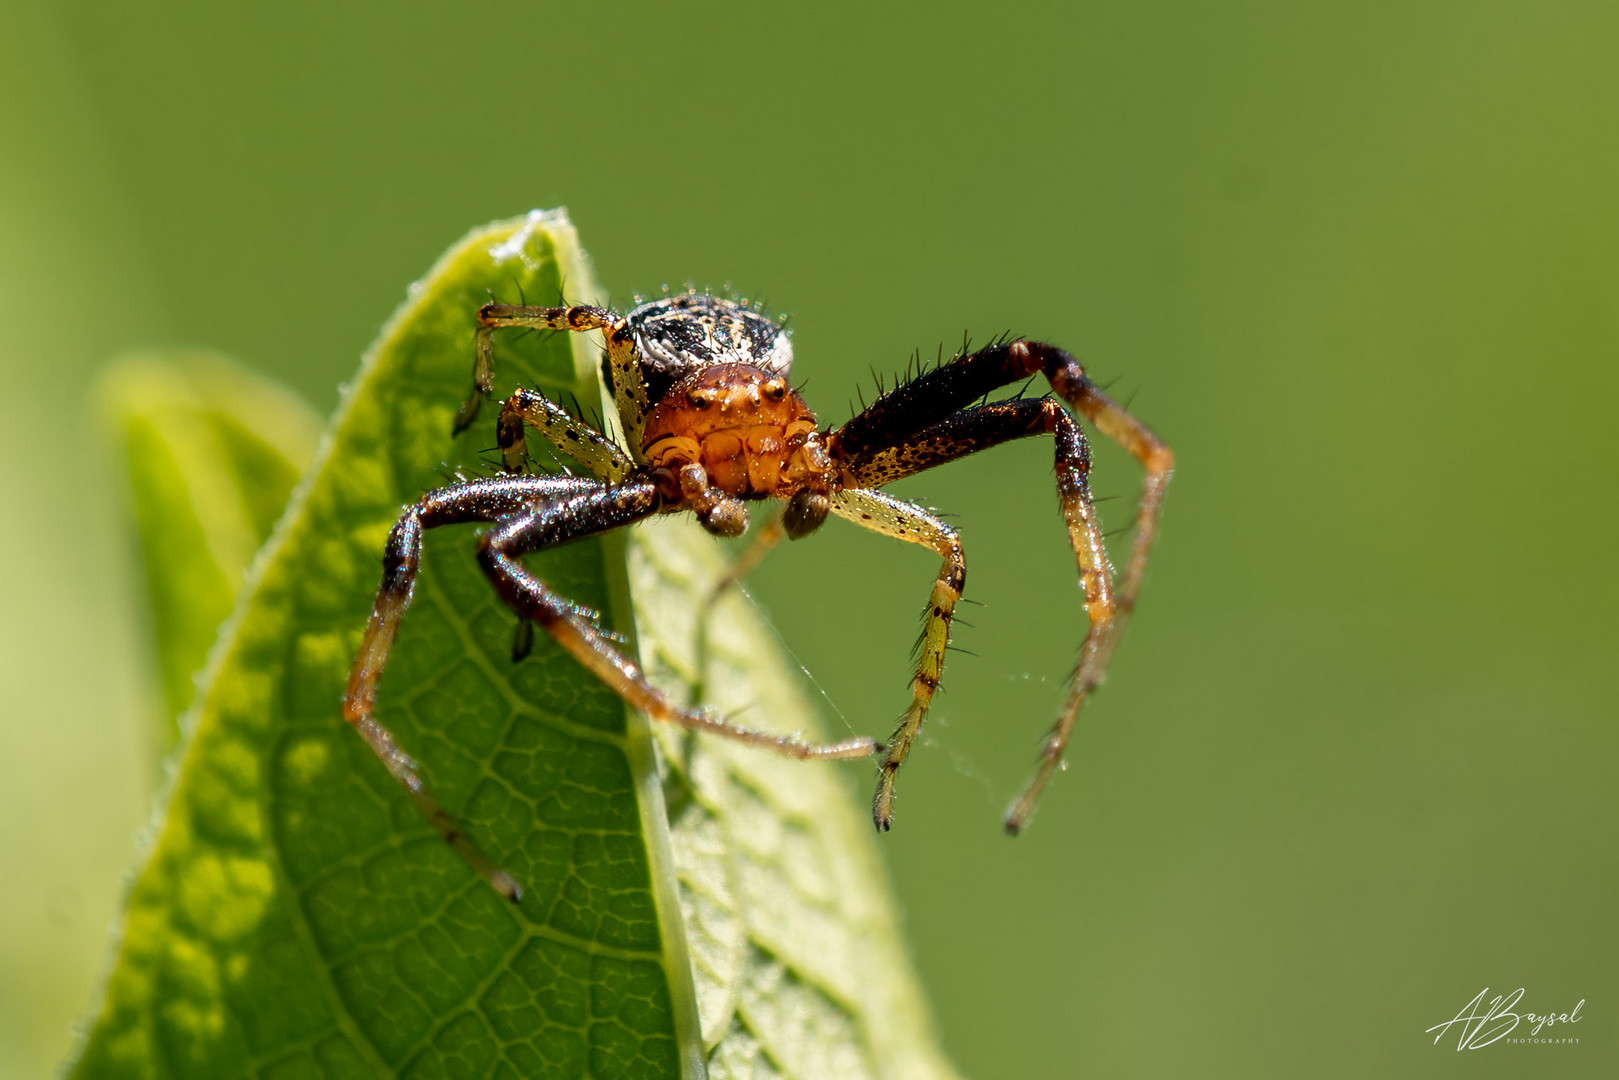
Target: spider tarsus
{"type": "Point", "coordinates": [522, 640]}
{"type": "Point", "coordinates": [467, 413]}
{"type": "Point", "coordinates": [882, 803]}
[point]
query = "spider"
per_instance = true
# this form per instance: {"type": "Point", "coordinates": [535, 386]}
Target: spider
{"type": "Point", "coordinates": [700, 385]}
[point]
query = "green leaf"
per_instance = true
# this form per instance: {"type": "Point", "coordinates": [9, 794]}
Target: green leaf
{"type": "Point", "coordinates": [800, 966]}
{"type": "Point", "coordinates": [212, 453]}
{"type": "Point", "coordinates": [297, 917]}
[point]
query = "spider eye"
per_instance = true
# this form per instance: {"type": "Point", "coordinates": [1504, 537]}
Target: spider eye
{"type": "Point", "coordinates": [776, 389]}
{"type": "Point", "coordinates": [700, 399]}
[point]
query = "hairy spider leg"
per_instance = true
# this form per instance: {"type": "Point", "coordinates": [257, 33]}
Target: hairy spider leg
{"type": "Point", "coordinates": [963, 433]}
{"type": "Point", "coordinates": [629, 392]}
{"type": "Point", "coordinates": [968, 432]}
{"type": "Point", "coordinates": [595, 451]}
{"type": "Point", "coordinates": [480, 500]}
{"type": "Point", "coordinates": [881, 512]}
{"type": "Point", "coordinates": [570, 435]}
{"type": "Point", "coordinates": [876, 440]}
{"type": "Point", "coordinates": [592, 511]}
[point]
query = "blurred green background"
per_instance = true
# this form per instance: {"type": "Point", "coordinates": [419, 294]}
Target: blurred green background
{"type": "Point", "coordinates": [1359, 264]}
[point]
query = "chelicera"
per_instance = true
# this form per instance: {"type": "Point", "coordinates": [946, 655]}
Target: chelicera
{"type": "Point", "coordinates": [711, 424]}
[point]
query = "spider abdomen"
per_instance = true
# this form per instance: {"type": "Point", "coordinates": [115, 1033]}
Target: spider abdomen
{"type": "Point", "coordinates": [742, 424]}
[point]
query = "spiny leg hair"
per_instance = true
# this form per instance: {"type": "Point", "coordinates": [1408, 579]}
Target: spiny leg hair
{"type": "Point", "coordinates": [885, 514]}
{"type": "Point", "coordinates": [569, 434]}
{"type": "Point", "coordinates": [532, 513]}
{"type": "Point", "coordinates": [970, 431]}
{"type": "Point", "coordinates": [929, 421]}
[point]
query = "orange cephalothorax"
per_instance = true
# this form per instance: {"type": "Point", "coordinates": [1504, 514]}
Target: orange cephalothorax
{"type": "Point", "coordinates": [743, 424]}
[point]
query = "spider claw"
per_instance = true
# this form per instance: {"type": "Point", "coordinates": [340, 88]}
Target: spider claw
{"type": "Point", "coordinates": [522, 640]}
{"type": "Point", "coordinates": [507, 886]}
{"type": "Point", "coordinates": [467, 413]}
{"type": "Point", "coordinates": [882, 805]}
